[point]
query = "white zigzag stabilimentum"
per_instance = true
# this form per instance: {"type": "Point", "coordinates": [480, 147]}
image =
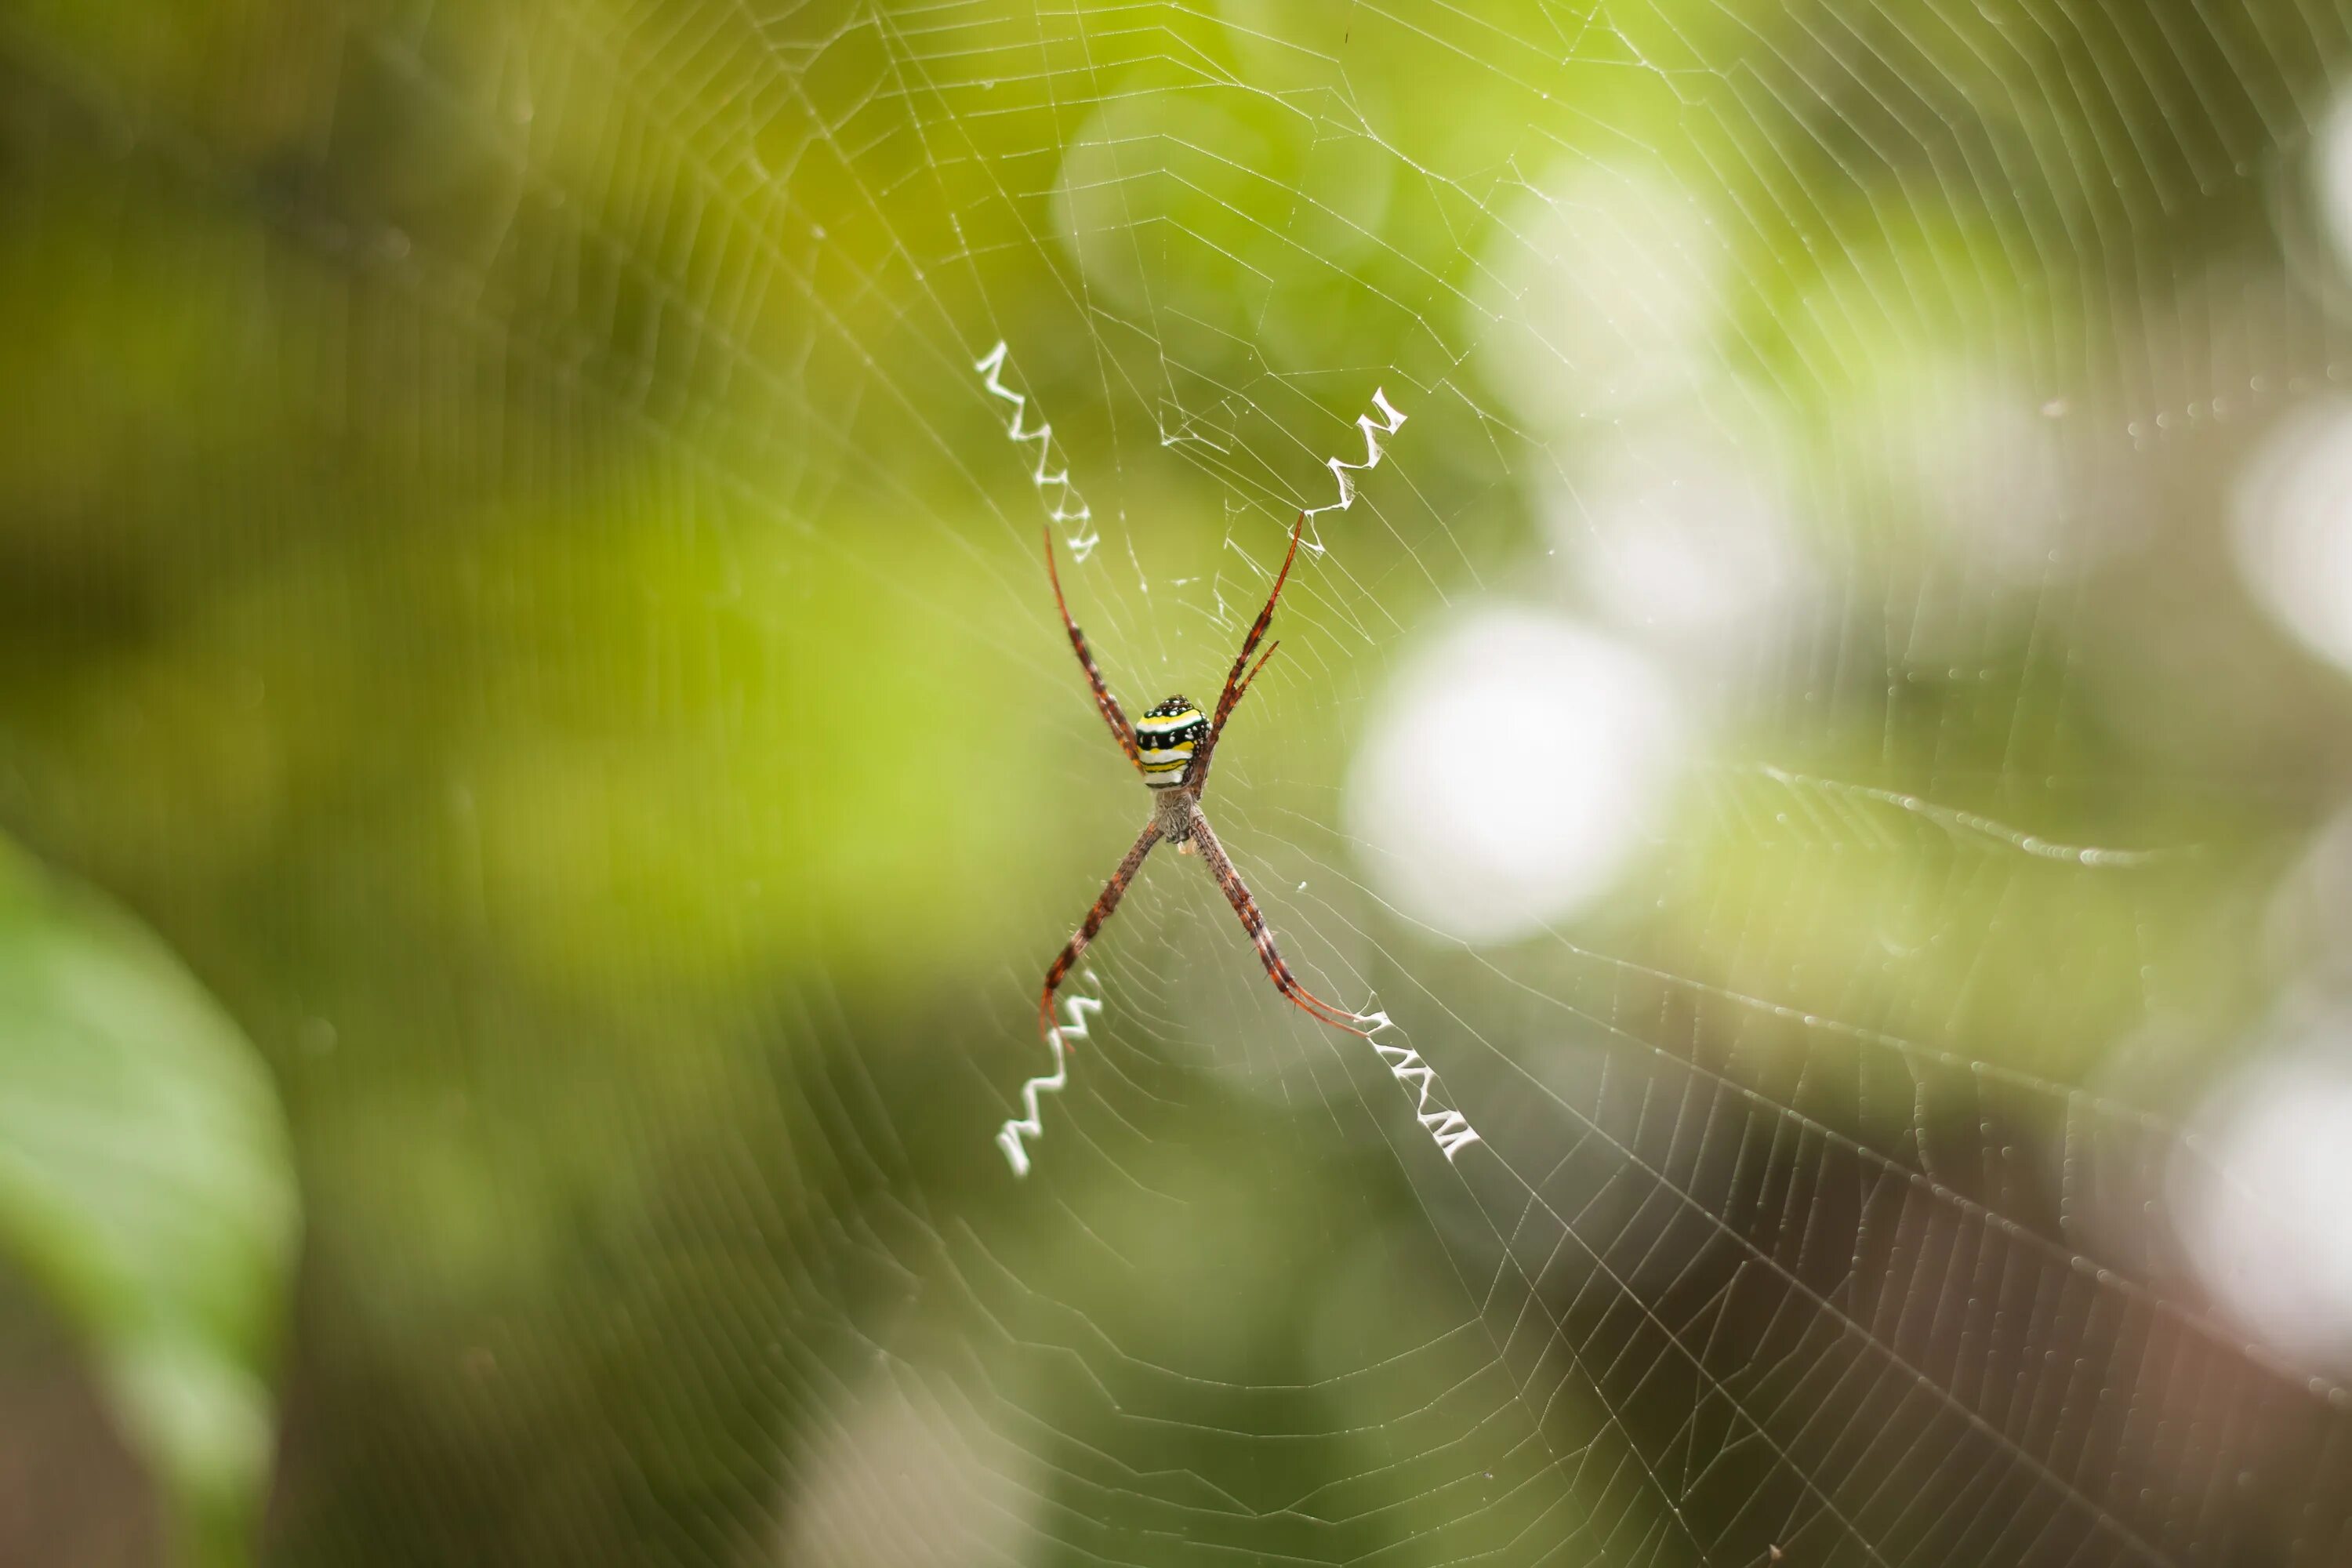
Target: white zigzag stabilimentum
{"type": "Point", "coordinates": [1069, 508]}
{"type": "Point", "coordinates": [1009, 1136]}
{"type": "Point", "coordinates": [1373, 430]}
{"type": "Point", "coordinates": [1450, 1127]}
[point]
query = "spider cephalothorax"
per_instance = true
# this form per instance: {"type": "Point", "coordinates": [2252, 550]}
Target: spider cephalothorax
{"type": "Point", "coordinates": [1167, 736]}
{"type": "Point", "coordinates": [1172, 748]}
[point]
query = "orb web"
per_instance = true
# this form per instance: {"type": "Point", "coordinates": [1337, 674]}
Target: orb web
{"type": "Point", "coordinates": [1817, 414]}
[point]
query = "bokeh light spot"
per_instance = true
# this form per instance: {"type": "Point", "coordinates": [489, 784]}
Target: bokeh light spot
{"type": "Point", "coordinates": [1678, 528]}
{"type": "Point", "coordinates": [2333, 176]}
{"type": "Point", "coordinates": [2293, 514]}
{"type": "Point", "coordinates": [1605, 289]}
{"type": "Point", "coordinates": [1515, 769]}
{"type": "Point", "coordinates": [2266, 1222]}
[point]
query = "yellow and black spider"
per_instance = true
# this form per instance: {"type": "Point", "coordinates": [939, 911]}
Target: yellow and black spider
{"type": "Point", "coordinates": [1172, 748]}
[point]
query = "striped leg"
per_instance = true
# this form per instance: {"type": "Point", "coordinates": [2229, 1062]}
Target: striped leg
{"type": "Point", "coordinates": [1121, 731]}
{"type": "Point", "coordinates": [1243, 689]}
{"type": "Point", "coordinates": [1102, 911]}
{"type": "Point", "coordinates": [1238, 895]}
{"type": "Point", "coordinates": [1243, 673]}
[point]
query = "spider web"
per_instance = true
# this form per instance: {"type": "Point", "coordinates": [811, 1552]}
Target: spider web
{"type": "Point", "coordinates": [651, 470]}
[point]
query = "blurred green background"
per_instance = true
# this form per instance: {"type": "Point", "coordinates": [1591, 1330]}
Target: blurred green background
{"type": "Point", "coordinates": [542, 776]}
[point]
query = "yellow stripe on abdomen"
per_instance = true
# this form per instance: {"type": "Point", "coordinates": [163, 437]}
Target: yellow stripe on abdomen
{"type": "Point", "coordinates": [1165, 738]}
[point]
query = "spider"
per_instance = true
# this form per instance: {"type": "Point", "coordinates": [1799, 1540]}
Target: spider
{"type": "Point", "coordinates": [1171, 748]}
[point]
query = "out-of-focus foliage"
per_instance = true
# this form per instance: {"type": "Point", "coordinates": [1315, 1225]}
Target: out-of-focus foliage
{"type": "Point", "coordinates": [147, 1186]}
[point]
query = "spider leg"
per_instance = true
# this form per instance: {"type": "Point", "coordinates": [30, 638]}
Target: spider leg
{"type": "Point", "coordinates": [1234, 680]}
{"type": "Point", "coordinates": [1244, 689]}
{"type": "Point", "coordinates": [1237, 894]}
{"type": "Point", "coordinates": [1199, 774]}
{"type": "Point", "coordinates": [1121, 729]}
{"type": "Point", "coordinates": [1237, 681]}
{"type": "Point", "coordinates": [1096, 917]}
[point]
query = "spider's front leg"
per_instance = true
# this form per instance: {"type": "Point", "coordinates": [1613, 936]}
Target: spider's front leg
{"type": "Point", "coordinates": [1121, 729]}
{"type": "Point", "coordinates": [1104, 908]}
{"type": "Point", "coordinates": [1237, 681]}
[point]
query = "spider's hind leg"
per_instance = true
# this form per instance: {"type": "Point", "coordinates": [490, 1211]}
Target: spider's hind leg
{"type": "Point", "coordinates": [1104, 908]}
{"type": "Point", "coordinates": [1237, 894]}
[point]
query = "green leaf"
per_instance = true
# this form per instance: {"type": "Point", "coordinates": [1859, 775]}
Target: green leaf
{"type": "Point", "coordinates": [147, 1188]}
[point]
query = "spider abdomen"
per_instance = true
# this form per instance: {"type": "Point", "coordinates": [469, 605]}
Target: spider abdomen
{"type": "Point", "coordinates": [1166, 737]}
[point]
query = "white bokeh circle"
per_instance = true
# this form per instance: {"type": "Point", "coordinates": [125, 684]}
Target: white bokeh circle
{"type": "Point", "coordinates": [1970, 455]}
{"type": "Point", "coordinates": [2292, 517]}
{"type": "Point", "coordinates": [2332, 176]}
{"type": "Point", "coordinates": [2262, 1212]}
{"type": "Point", "coordinates": [1677, 527]}
{"type": "Point", "coordinates": [1518, 762]}
{"type": "Point", "coordinates": [1602, 290]}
